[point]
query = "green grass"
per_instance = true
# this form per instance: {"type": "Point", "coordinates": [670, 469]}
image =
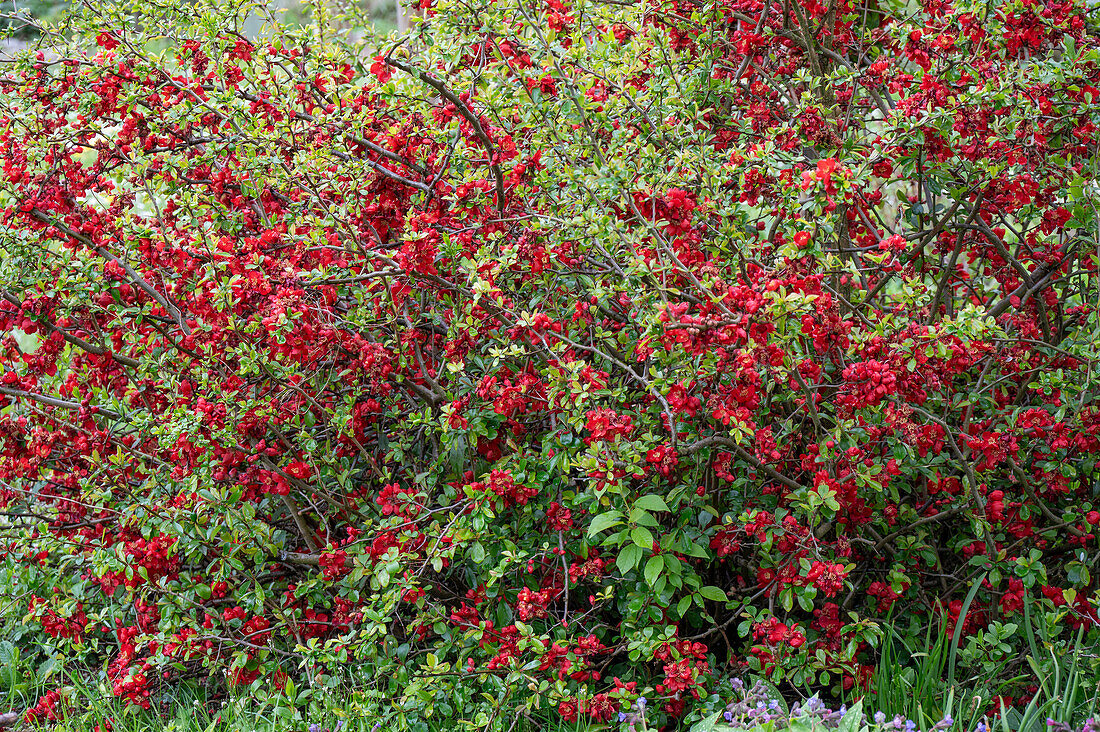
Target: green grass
{"type": "Point", "coordinates": [920, 683]}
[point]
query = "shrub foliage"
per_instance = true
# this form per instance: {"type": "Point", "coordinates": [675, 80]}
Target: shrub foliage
{"type": "Point", "coordinates": [591, 347]}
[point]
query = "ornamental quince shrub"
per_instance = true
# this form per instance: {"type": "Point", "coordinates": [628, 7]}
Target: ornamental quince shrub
{"type": "Point", "coordinates": [599, 349]}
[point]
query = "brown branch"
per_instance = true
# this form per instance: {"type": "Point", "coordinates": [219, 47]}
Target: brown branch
{"type": "Point", "coordinates": [59, 403]}
{"type": "Point", "coordinates": [919, 522]}
{"type": "Point", "coordinates": [744, 455]}
{"type": "Point", "coordinates": [135, 276]}
{"type": "Point", "coordinates": [467, 114]}
{"type": "Point", "coordinates": [303, 528]}
{"type": "Point", "coordinates": [70, 338]}
{"type": "Point", "coordinates": [1026, 289]}
{"type": "Point", "coordinates": [1022, 479]}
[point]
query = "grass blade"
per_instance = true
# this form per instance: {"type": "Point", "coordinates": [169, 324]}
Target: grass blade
{"type": "Point", "coordinates": [959, 627]}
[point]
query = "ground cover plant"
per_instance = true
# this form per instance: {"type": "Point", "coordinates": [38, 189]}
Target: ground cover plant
{"type": "Point", "coordinates": [553, 356]}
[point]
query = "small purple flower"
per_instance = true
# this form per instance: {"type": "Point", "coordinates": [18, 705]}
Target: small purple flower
{"type": "Point", "coordinates": [622, 717]}
{"type": "Point", "coordinates": [737, 684]}
{"type": "Point", "coordinates": [641, 702]}
{"type": "Point", "coordinates": [880, 718]}
{"type": "Point", "coordinates": [981, 727]}
{"type": "Point", "coordinates": [315, 728]}
{"type": "Point", "coordinates": [910, 725]}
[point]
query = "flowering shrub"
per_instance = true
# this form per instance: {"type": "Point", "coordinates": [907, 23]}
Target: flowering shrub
{"type": "Point", "coordinates": [599, 349]}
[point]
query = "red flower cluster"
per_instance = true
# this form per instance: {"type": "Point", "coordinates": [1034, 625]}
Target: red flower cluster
{"type": "Point", "coordinates": [55, 625]}
{"type": "Point", "coordinates": [333, 564]}
{"type": "Point", "coordinates": [51, 707]}
{"type": "Point", "coordinates": [607, 425]}
{"type": "Point", "coordinates": [397, 501]}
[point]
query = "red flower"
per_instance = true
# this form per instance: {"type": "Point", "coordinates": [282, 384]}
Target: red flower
{"type": "Point", "coordinates": [546, 85]}
{"type": "Point", "coordinates": [333, 564]}
{"type": "Point", "coordinates": [107, 41]}
{"type": "Point", "coordinates": [381, 70]}
{"type": "Point", "coordinates": [299, 469]}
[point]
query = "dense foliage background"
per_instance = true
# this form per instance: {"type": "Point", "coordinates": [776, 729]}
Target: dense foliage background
{"type": "Point", "coordinates": [564, 352]}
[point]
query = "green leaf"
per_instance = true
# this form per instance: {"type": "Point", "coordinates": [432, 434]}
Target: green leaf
{"type": "Point", "coordinates": [653, 569]}
{"type": "Point", "coordinates": [852, 719]}
{"type": "Point", "coordinates": [1077, 573]}
{"type": "Point", "coordinates": [710, 724]}
{"type": "Point", "coordinates": [9, 664]}
{"type": "Point", "coordinates": [48, 668]}
{"type": "Point", "coordinates": [697, 550]}
{"type": "Point", "coordinates": [652, 503]}
{"type": "Point", "coordinates": [713, 593]}
{"type": "Point", "coordinates": [628, 558]}
{"type": "Point", "coordinates": [605, 521]}
{"type": "Point", "coordinates": [291, 689]}
{"type": "Point", "coordinates": [642, 517]}
{"type": "Point", "coordinates": [659, 587]}
{"type": "Point", "coordinates": [772, 692]}
{"type": "Point", "coordinates": [642, 537]}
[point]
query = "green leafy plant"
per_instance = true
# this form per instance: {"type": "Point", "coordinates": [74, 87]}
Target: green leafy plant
{"type": "Point", "coordinates": [1068, 693]}
{"type": "Point", "coordinates": [558, 354]}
